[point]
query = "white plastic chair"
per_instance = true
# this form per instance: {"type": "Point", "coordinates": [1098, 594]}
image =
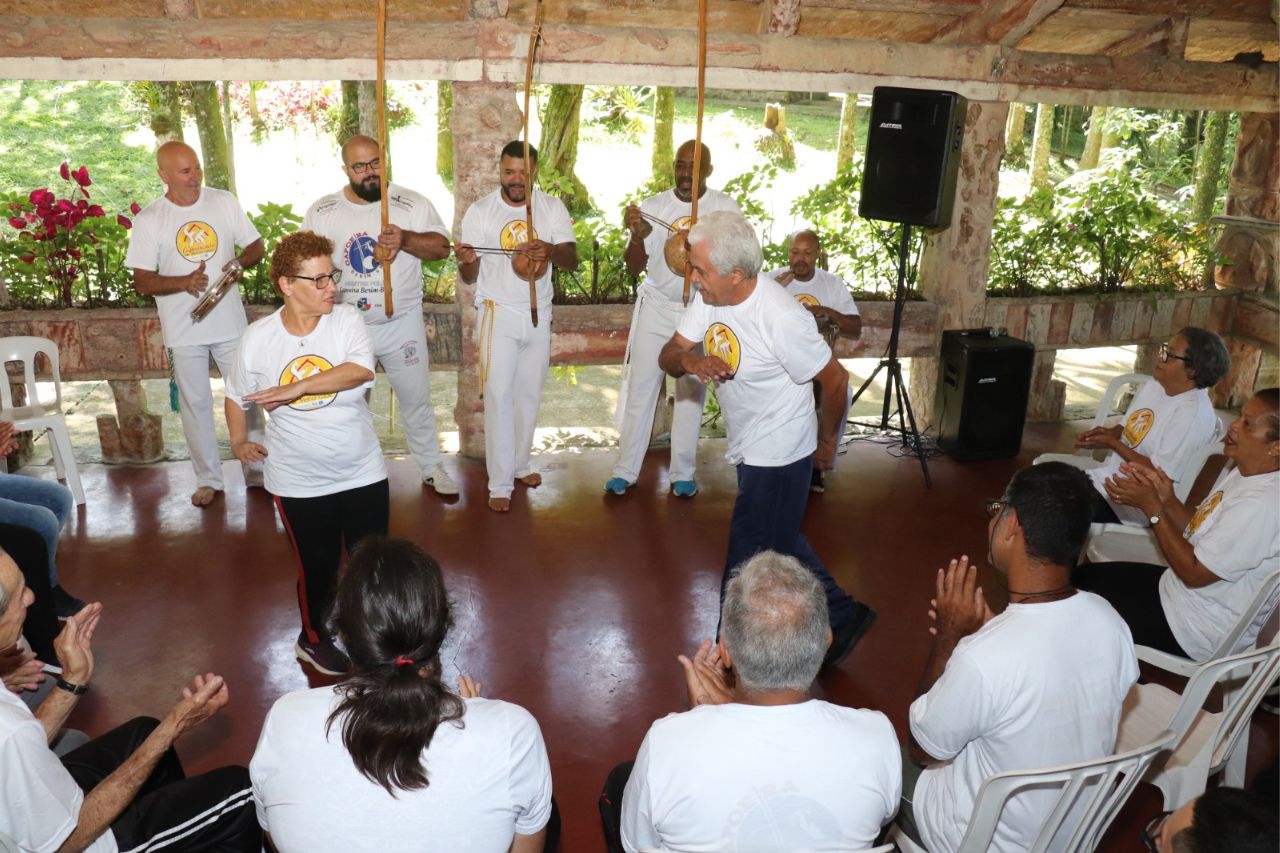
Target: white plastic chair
{"type": "Point", "coordinates": [37, 414]}
{"type": "Point", "coordinates": [1083, 458]}
{"type": "Point", "coordinates": [1082, 813]}
{"type": "Point", "coordinates": [1207, 742]}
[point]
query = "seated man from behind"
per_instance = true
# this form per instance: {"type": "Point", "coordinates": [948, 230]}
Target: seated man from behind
{"type": "Point", "coordinates": [1037, 686]}
{"type": "Point", "coordinates": [1221, 820]}
{"type": "Point", "coordinates": [124, 790]}
{"type": "Point", "coordinates": [757, 763]}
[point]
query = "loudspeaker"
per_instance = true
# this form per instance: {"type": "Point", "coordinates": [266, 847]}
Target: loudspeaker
{"type": "Point", "coordinates": [913, 154]}
{"type": "Point", "coordinates": [984, 380]}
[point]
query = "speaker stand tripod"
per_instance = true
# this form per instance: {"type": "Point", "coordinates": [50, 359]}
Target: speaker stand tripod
{"type": "Point", "coordinates": [894, 387]}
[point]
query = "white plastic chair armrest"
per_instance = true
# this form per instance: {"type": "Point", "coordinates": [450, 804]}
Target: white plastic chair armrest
{"type": "Point", "coordinates": [1169, 663]}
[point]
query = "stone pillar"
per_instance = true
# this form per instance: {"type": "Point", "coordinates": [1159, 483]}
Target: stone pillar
{"type": "Point", "coordinates": [485, 118]}
{"type": "Point", "coordinates": [953, 271]}
{"type": "Point", "coordinates": [1048, 395]}
{"type": "Point", "coordinates": [134, 434]}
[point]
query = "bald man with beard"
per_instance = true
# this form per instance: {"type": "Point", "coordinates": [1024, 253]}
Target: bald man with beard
{"type": "Point", "coordinates": [179, 244]}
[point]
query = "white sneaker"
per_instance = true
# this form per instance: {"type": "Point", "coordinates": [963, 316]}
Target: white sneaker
{"type": "Point", "coordinates": [440, 480]}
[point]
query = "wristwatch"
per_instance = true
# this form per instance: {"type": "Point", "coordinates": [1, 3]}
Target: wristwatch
{"type": "Point", "coordinates": [1155, 519]}
{"type": "Point", "coordinates": [73, 689]}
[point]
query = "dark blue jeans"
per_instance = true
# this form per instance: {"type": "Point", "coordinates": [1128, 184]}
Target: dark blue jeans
{"type": "Point", "coordinates": [767, 517]}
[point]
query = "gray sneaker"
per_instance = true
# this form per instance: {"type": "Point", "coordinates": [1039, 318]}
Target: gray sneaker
{"type": "Point", "coordinates": [324, 655]}
{"type": "Point", "coordinates": [440, 480]}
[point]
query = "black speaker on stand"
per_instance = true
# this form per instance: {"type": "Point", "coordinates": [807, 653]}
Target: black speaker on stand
{"type": "Point", "coordinates": [913, 155]}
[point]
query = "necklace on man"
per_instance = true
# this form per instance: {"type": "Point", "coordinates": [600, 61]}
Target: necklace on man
{"type": "Point", "coordinates": [1069, 588]}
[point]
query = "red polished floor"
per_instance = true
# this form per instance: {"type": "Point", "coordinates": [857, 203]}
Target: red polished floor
{"type": "Point", "coordinates": [572, 605]}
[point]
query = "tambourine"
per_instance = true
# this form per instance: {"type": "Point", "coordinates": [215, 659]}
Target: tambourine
{"type": "Point", "coordinates": [210, 298]}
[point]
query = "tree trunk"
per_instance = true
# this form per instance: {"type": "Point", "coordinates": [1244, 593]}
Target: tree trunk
{"type": "Point", "coordinates": [230, 132]}
{"type": "Point", "coordinates": [848, 131]}
{"type": "Point", "coordinates": [1015, 134]}
{"type": "Point", "coordinates": [255, 117]}
{"type": "Point", "coordinates": [1210, 166]}
{"type": "Point", "coordinates": [664, 119]}
{"type": "Point", "coordinates": [349, 120]}
{"type": "Point", "coordinates": [444, 132]}
{"type": "Point", "coordinates": [1041, 143]}
{"type": "Point", "coordinates": [368, 107]}
{"type": "Point", "coordinates": [207, 108]}
{"type": "Point", "coordinates": [1093, 141]}
{"type": "Point", "coordinates": [163, 99]}
{"type": "Point", "coordinates": [558, 148]}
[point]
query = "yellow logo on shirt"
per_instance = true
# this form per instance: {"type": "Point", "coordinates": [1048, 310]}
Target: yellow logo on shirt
{"type": "Point", "coordinates": [515, 233]}
{"type": "Point", "coordinates": [299, 369]}
{"type": "Point", "coordinates": [197, 241]}
{"type": "Point", "coordinates": [1206, 508]}
{"type": "Point", "coordinates": [808, 300]}
{"type": "Point", "coordinates": [1137, 427]}
{"type": "Point", "coordinates": [721, 342]}
{"type": "Point", "coordinates": [684, 223]}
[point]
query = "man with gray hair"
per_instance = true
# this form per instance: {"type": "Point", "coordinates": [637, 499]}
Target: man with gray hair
{"type": "Point", "coordinates": [756, 763]}
{"type": "Point", "coordinates": [744, 332]}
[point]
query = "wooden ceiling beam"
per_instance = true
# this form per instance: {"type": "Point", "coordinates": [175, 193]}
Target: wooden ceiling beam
{"type": "Point", "coordinates": [997, 22]}
{"type": "Point", "coordinates": [1227, 10]}
{"type": "Point", "coordinates": [116, 49]}
{"type": "Point", "coordinates": [1143, 40]}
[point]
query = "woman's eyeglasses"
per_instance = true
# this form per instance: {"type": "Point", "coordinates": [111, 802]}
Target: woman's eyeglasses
{"type": "Point", "coordinates": [322, 281]}
{"type": "Point", "coordinates": [1165, 355]}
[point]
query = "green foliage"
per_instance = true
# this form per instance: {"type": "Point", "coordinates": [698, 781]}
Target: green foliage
{"type": "Point", "coordinates": [568, 189]}
{"type": "Point", "coordinates": [440, 279]}
{"type": "Point", "coordinates": [602, 270]}
{"type": "Point", "coordinates": [619, 110]}
{"type": "Point", "coordinates": [273, 221]}
{"type": "Point", "coordinates": [1099, 231]}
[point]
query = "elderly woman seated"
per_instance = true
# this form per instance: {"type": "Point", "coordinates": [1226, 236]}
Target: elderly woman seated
{"type": "Point", "coordinates": [391, 758]}
{"type": "Point", "coordinates": [1169, 418]}
{"type": "Point", "coordinates": [1218, 553]}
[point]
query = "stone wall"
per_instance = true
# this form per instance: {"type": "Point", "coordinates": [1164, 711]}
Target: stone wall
{"type": "Point", "coordinates": [1251, 237]}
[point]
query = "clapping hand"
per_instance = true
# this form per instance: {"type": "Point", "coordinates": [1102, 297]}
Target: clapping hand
{"type": "Point", "coordinates": [706, 677]}
{"type": "Point", "coordinates": [959, 608]}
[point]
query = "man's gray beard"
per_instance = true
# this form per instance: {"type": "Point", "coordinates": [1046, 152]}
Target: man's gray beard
{"type": "Point", "coordinates": [373, 193]}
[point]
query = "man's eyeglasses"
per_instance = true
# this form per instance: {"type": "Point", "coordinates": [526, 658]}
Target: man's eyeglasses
{"type": "Point", "coordinates": [994, 506]}
{"type": "Point", "coordinates": [367, 166]}
{"type": "Point", "coordinates": [1165, 355]}
{"type": "Point", "coordinates": [322, 281]}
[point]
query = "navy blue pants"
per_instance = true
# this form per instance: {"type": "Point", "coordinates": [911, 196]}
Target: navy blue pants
{"type": "Point", "coordinates": [767, 516]}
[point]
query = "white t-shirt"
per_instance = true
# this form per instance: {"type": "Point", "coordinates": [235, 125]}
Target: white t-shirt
{"type": "Point", "coordinates": [41, 803]}
{"type": "Point", "coordinates": [492, 223]}
{"type": "Point", "coordinates": [354, 230]}
{"type": "Point", "coordinates": [812, 776]}
{"type": "Point", "coordinates": [1166, 430]}
{"type": "Point", "coordinates": [659, 280]}
{"type": "Point", "coordinates": [1037, 686]}
{"type": "Point", "coordinates": [489, 779]}
{"type": "Point", "coordinates": [775, 350]}
{"type": "Point", "coordinates": [823, 288]}
{"type": "Point", "coordinates": [172, 240]}
{"type": "Point", "coordinates": [320, 443]}
{"type": "Point", "coordinates": [1236, 535]}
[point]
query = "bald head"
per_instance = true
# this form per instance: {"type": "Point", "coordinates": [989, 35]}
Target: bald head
{"type": "Point", "coordinates": [357, 146]}
{"type": "Point", "coordinates": [684, 170]}
{"type": "Point", "coordinates": [362, 163]}
{"type": "Point", "coordinates": [805, 249]}
{"type": "Point", "coordinates": [179, 168]}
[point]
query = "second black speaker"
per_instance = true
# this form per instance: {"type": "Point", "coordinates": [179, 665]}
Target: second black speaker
{"type": "Point", "coordinates": [913, 154]}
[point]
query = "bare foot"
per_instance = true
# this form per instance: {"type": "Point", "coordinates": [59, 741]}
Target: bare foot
{"type": "Point", "coordinates": [500, 504]}
{"type": "Point", "coordinates": [531, 480]}
{"type": "Point", "coordinates": [203, 496]}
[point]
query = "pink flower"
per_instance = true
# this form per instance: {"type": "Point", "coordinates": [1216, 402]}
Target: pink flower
{"type": "Point", "coordinates": [65, 171]}
{"type": "Point", "coordinates": [75, 253]}
{"type": "Point", "coordinates": [122, 220]}
{"type": "Point", "coordinates": [18, 222]}
{"type": "Point", "coordinates": [134, 208]}
{"type": "Point", "coordinates": [27, 259]}
{"type": "Point", "coordinates": [82, 176]}
{"type": "Point", "coordinates": [95, 210]}
{"type": "Point", "coordinates": [39, 196]}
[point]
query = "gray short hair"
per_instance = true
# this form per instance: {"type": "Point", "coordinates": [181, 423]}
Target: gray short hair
{"type": "Point", "coordinates": [774, 623]}
{"type": "Point", "coordinates": [1207, 355]}
{"type": "Point", "coordinates": [734, 244]}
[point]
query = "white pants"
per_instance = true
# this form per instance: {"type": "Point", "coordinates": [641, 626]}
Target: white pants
{"type": "Point", "coordinates": [195, 407]}
{"type": "Point", "coordinates": [652, 325]}
{"type": "Point", "coordinates": [514, 359]}
{"type": "Point", "coordinates": [400, 345]}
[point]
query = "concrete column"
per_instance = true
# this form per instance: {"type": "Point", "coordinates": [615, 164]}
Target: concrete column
{"type": "Point", "coordinates": [133, 434]}
{"type": "Point", "coordinates": [485, 118]}
{"type": "Point", "coordinates": [953, 271]}
{"type": "Point", "coordinates": [1254, 193]}
{"type": "Point", "coordinates": [1048, 395]}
